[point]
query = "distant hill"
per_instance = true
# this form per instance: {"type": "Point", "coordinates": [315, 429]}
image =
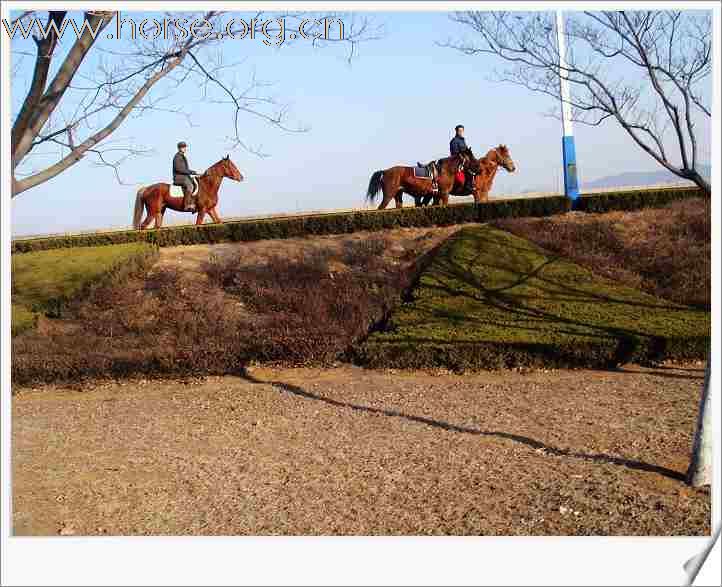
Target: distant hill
{"type": "Point", "coordinates": [633, 178]}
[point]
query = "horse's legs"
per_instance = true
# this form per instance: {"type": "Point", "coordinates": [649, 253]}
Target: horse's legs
{"type": "Point", "coordinates": [214, 214]}
{"type": "Point", "coordinates": [399, 198]}
{"type": "Point", "coordinates": [158, 219]}
{"type": "Point", "coordinates": [199, 218]}
{"type": "Point", "coordinates": [384, 202]}
{"type": "Point", "coordinates": [390, 189]}
{"type": "Point", "coordinates": [148, 217]}
{"type": "Point", "coordinates": [444, 199]}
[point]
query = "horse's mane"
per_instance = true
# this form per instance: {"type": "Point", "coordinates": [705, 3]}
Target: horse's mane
{"type": "Point", "coordinates": [211, 171]}
{"type": "Point", "coordinates": [466, 151]}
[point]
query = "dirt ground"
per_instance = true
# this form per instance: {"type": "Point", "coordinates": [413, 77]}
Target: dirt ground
{"type": "Point", "coordinates": [354, 451]}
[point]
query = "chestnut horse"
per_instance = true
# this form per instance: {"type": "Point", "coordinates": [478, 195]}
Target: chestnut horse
{"type": "Point", "coordinates": [156, 198]}
{"type": "Point", "coordinates": [399, 179]}
{"type": "Point", "coordinates": [488, 166]}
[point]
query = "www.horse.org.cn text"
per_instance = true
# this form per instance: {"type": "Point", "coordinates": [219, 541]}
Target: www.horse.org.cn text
{"type": "Point", "coordinates": [271, 32]}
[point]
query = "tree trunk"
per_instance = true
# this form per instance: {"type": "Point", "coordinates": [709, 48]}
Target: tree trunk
{"type": "Point", "coordinates": [702, 183]}
{"type": "Point", "coordinates": [45, 49]}
{"type": "Point", "coordinates": [22, 143]}
{"type": "Point", "coordinates": [700, 467]}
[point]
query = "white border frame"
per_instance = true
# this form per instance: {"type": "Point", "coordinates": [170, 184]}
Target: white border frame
{"type": "Point", "coordinates": [353, 561]}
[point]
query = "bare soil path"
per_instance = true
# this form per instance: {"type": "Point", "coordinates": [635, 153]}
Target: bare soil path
{"type": "Point", "coordinates": [354, 451]}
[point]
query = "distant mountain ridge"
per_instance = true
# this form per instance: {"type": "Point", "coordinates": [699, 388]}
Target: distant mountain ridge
{"type": "Point", "coordinates": [634, 178]}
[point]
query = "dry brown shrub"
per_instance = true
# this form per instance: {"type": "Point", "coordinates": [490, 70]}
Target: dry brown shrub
{"type": "Point", "coordinates": [663, 251]}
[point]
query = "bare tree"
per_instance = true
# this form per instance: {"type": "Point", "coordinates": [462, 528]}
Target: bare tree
{"type": "Point", "coordinates": [643, 70]}
{"type": "Point", "coordinates": [81, 107]}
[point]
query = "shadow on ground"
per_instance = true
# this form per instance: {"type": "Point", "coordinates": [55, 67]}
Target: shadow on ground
{"type": "Point", "coordinates": [535, 444]}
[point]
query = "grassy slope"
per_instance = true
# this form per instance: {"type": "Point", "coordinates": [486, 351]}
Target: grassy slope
{"type": "Point", "coordinates": [665, 252]}
{"type": "Point", "coordinates": [42, 281]}
{"type": "Point", "coordinates": [492, 299]}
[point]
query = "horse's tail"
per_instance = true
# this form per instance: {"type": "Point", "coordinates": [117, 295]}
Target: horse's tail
{"type": "Point", "coordinates": [138, 210]}
{"type": "Point", "coordinates": [375, 185]}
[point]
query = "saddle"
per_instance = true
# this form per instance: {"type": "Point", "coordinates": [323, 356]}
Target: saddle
{"type": "Point", "coordinates": [428, 171]}
{"type": "Point", "coordinates": [176, 190]}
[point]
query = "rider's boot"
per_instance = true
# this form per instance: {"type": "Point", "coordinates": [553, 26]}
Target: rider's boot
{"type": "Point", "coordinates": [188, 201]}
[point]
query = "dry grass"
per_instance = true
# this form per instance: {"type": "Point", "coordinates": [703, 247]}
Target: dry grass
{"type": "Point", "coordinates": [662, 251]}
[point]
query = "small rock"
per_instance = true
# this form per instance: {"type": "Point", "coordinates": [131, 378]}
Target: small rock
{"type": "Point", "coordinates": [67, 531]}
{"type": "Point", "coordinates": [563, 510]}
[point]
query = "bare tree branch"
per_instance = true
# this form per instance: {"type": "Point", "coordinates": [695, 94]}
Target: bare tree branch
{"type": "Point", "coordinates": [670, 51]}
{"type": "Point", "coordinates": [82, 106]}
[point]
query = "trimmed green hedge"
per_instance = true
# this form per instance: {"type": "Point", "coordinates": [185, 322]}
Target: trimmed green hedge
{"type": "Point", "coordinates": [492, 300]}
{"type": "Point", "coordinates": [608, 201]}
{"type": "Point", "coordinates": [346, 222]}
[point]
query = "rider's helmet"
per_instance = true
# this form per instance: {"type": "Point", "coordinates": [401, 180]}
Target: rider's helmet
{"type": "Point", "coordinates": [182, 144]}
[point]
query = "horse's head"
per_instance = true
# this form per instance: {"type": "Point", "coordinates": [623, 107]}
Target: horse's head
{"type": "Point", "coordinates": [225, 168]}
{"type": "Point", "coordinates": [230, 170]}
{"type": "Point", "coordinates": [504, 158]}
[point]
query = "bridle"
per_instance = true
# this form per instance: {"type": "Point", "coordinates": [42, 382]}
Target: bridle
{"type": "Point", "coordinates": [502, 161]}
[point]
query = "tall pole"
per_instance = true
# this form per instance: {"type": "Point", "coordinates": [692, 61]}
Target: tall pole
{"type": "Point", "coordinates": [571, 183]}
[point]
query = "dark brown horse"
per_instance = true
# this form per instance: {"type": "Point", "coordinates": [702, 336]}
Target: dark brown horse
{"type": "Point", "coordinates": [488, 166]}
{"type": "Point", "coordinates": [399, 179]}
{"type": "Point", "coordinates": [156, 198]}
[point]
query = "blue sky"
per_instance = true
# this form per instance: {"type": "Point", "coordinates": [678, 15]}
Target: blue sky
{"type": "Point", "coordinates": [395, 104]}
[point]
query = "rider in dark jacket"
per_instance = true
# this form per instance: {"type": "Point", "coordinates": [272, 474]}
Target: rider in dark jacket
{"type": "Point", "coordinates": [458, 143]}
{"type": "Point", "coordinates": [456, 146]}
{"type": "Point", "coordinates": [181, 176]}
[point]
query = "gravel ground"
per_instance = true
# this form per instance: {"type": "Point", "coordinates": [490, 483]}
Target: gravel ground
{"type": "Point", "coordinates": [354, 451]}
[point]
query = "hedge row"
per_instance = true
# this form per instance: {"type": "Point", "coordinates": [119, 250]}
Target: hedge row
{"type": "Point", "coordinates": [608, 201]}
{"type": "Point", "coordinates": [371, 220]}
{"type": "Point", "coordinates": [480, 356]}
